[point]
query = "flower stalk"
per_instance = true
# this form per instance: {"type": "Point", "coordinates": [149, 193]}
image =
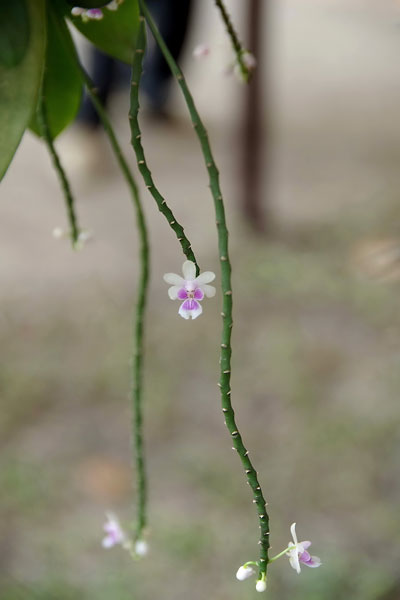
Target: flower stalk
{"type": "Point", "coordinates": [136, 134]}
{"type": "Point", "coordinates": [140, 307]}
{"type": "Point", "coordinates": [227, 322]}
{"type": "Point", "coordinates": [245, 69]}
{"type": "Point", "coordinates": [138, 327]}
{"type": "Point", "coordinates": [62, 176]}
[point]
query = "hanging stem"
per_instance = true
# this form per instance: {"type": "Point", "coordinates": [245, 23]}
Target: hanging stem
{"type": "Point", "coordinates": [136, 135]}
{"type": "Point", "coordinates": [141, 302]}
{"type": "Point", "coordinates": [236, 43]}
{"type": "Point", "coordinates": [66, 188]}
{"type": "Point", "coordinates": [227, 322]}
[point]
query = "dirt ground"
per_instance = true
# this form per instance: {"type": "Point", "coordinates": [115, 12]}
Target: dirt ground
{"type": "Point", "coordinates": [316, 357]}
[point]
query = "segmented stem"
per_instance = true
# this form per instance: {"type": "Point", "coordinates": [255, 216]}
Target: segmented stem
{"type": "Point", "coordinates": [236, 43]}
{"type": "Point", "coordinates": [227, 322]}
{"type": "Point", "coordinates": [65, 186]}
{"type": "Point", "coordinates": [140, 306]}
{"type": "Point", "coordinates": [139, 151]}
{"type": "Point", "coordinates": [138, 328]}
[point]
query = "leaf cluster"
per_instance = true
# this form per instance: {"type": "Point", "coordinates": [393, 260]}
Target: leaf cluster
{"type": "Point", "coordinates": [38, 60]}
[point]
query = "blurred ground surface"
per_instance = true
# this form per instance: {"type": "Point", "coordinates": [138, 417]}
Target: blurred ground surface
{"type": "Point", "coordinates": [316, 361]}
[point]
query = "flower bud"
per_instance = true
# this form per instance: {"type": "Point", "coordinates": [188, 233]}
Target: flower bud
{"type": "Point", "coordinates": [244, 572]}
{"type": "Point", "coordinates": [261, 585]}
{"type": "Point", "coordinates": [141, 548]}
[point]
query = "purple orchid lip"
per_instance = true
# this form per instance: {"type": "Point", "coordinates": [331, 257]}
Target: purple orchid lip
{"type": "Point", "coordinates": [305, 557]}
{"type": "Point", "coordinates": [190, 305]}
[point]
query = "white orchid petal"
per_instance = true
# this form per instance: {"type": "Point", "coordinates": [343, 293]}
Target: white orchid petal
{"type": "Point", "coordinates": [316, 562]}
{"type": "Point", "coordinates": [294, 561]}
{"type": "Point", "coordinates": [173, 291]}
{"type": "Point", "coordinates": [208, 290]}
{"type": "Point", "coordinates": [174, 279]}
{"type": "Point", "coordinates": [293, 532]}
{"type": "Point", "coordinates": [196, 312]}
{"type": "Point", "coordinates": [205, 277]}
{"type": "Point", "coordinates": [189, 270]}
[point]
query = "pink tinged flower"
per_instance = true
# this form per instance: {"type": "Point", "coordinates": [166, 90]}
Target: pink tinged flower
{"type": "Point", "coordinates": [244, 572]}
{"type": "Point", "coordinates": [249, 60]}
{"type": "Point", "coordinates": [297, 553]}
{"type": "Point", "coordinates": [91, 14]}
{"type": "Point", "coordinates": [201, 51]}
{"type": "Point", "coordinates": [94, 13]}
{"type": "Point", "coordinates": [114, 533]}
{"type": "Point", "coordinates": [190, 289]}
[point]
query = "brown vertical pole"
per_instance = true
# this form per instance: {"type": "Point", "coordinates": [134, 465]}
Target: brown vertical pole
{"type": "Point", "coordinates": [252, 160]}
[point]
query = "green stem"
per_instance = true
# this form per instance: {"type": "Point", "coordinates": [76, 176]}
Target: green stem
{"type": "Point", "coordinates": [66, 188]}
{"type": "Point", "coordinates": [285, 551]}
{"type": "Point", "coordinates": [227, 322]}
{"type": "Point", "coordinates": [139, 151]}
{"type": "Point", "coordinates": [237, 45]}
{"type": "Point", "coordinates": [141, 301]}
{"type": "Point", "coordinates": [138, 330]}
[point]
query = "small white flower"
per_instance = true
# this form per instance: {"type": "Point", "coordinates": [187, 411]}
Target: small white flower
{"type": "Point", "coordinates": [190, 289]}
{"type": "Point", "coordinates": [249, 62]}
{"type": "Point", "coordinates": [114, 532]}
{"type": "Point", "coordinates": [244, 572]}
{"type": "Point", "coordinates": [113, 5]}
{"type": "Point", "coordinates": [141, 548]}
{"type": "Point", "coordinates": [201, 51]}
{"type": "Point", "coordinates": [87, 14]}
{"type": "Point", "coordinates": [261, 585]}
{"type": "Point", "coordinates": [58, 233]}
{"type": "Point", "coordinates": [85, 235]}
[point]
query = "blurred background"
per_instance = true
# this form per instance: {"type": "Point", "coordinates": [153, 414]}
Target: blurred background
{"type": "Point", "coordinates": [316, 341]}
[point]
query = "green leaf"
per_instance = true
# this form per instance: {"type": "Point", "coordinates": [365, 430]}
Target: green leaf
{"type": "Point", "coordinates": [62, 87]}
{"type": "Point", "coordinates": [14, 32]}
{"type": "Point", "coordinates": [116, 33]}
{"type": "Point", "coordinates": [19, 86]}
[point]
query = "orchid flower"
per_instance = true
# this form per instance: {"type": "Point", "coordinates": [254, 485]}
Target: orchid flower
{"type": "Point", "coordinates": [94, 14]}
{"type": "Point", "coordinates": [114, 532]}
{"type": "Point", "coordinates": [84, 236]}
{"type": "Point", "coordinates": [190, 289]}
{"type": "Point", "coordinates": [90, 14]}
{"type": "Point", "coordinates": [249, 62]}
{"type": "Point", "coordinates": [297, 553]}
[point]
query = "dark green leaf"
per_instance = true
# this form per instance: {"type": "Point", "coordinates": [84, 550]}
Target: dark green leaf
{"type": "Point", "coordinates": [62, 87]}
{"type": "Point", "coordinates": [116, 33]}
{"type": "Point", "coordinates": [14, 31]}
{"type": "Point", "coordinates": [88, 3]}
{"type": "Point", "coordinates": [19, 87]}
